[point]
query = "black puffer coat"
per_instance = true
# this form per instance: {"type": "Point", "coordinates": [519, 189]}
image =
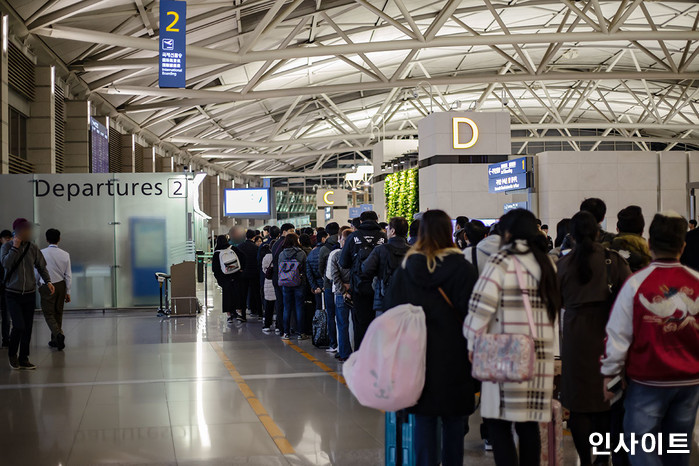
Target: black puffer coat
{"type": "Point", "coordinates": [449, 388]}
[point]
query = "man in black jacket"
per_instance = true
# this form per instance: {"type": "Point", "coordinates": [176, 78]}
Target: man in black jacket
{"type": "Point", "coordinates": [385, 259]}
{"type": "Point", "coordinates": [248, 283]}
{"type": "Point", "coordinates": [357, 249]}
{"type": "Point", "coordinates": [331, 243]}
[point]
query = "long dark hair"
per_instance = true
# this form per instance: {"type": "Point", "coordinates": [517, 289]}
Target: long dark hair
{"type": "Point", "coordinates": [221, 242]}
{"type": "Point", "coordinates": [520, 224]}
{"type": "Point", "coordinates": [584, 230]}
{"type": "Point", "coordinates": [562, 229]}
{"type": "Point", "coordinates": [434, 239]}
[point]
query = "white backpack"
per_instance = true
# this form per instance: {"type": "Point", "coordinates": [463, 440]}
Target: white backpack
{"type": "Point", "coordinates": [388, 370]}
{"type": "Point", "coordinates": [229, 261]}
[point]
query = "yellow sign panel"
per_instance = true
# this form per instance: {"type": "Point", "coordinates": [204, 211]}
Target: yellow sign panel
{"type": "Point", "coordinates": [456, 122]}
{"type": "Point", "coordinates": [326, 197]}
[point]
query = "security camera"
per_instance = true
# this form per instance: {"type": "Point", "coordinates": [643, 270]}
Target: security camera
{"type": "Point", "coordinates": [415, 93]}
{"type": "Point", "coordinates": [505, 101]}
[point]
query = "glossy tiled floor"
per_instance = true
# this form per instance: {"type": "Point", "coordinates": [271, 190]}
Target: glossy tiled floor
{"type": "Point", "coordinates": [134, 389]}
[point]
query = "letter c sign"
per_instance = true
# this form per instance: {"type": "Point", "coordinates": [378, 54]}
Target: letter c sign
{"type": "Point", "coordinates": [326, 197]}
{"type": "Point", "coordinates": [456, 121]}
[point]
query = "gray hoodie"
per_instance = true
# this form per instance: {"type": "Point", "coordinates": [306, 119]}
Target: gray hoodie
{"type": "Point", "coordinates": [484, 249]}
{"type": "Point", "coordinates": [23, 280]}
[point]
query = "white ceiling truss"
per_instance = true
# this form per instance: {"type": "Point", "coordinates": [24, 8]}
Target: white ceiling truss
{"type": "Point", "coordinates": [285, 85]}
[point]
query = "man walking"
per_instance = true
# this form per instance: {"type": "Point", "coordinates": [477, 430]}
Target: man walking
{"type": "Point", "coordinates": [20, 258]}
{"type": "Point", "coordinates": [5, 237]}
{"type": "Point", "coordinates": [58, 265]}
{"type": "Point", "coordinates": [249, 280]}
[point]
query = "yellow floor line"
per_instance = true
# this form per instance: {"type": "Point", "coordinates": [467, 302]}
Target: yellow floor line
{"type": "Point", "coordinates": [272, 428]}
{"type": "Point", "coordinates": [317, 362]}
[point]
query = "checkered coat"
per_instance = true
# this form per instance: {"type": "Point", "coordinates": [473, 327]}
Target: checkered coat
{"type": "Point", "coordinates": [497, 307]}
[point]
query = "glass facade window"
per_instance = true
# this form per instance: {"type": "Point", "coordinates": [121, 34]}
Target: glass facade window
{"type": "Point", "coordinates": [18, 134]}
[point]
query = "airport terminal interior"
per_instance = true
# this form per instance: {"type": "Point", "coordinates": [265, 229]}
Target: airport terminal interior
{"type": "Point", "coordinates": [349, 232]}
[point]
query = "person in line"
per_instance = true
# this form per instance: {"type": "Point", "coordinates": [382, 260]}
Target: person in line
{"type": "Point", "coordinates": [690, 256]}
{"type": "Point", "coordinates": [598, 209]}
{"type": "Point", "coordinates": [285, 229]}
{"type": "Point", "coordinates": [435, 276]}
{"type": "Point", "coordinates": [257, 240]}
{"type": "Point", "coordinates": [384, 260]}
{"type": "Point", "coordinates": [413, 231]}
{"type": "Point", "coordinates": [356, 250]}
{"type": "Point", "coordinates": [309, 298]}
{"type": "Point", "coordinates": [229, 299]}
{"type": "Point", "coordinates": [564, 242]}
{"type": "Point", "coordinates": [590, 278]}
{"type": "Point", "coordinates": [270, 296]}
{"type": "Point", "coordinates": [265, 232]}
{"type": "Point", "coordinates": [315, 278]}
{"type": "Point", "coordinates": [248, 282]}
{"type": "Point", "coordinates": [692, 225]}
{"type": "Point", "coordinates": [497, 307]}
{"type": "Point", "coordinates": [331, 243]}
{"type": "Point", "coordinates": [266, 271]}
{"type": "Point", "coordinates": [341, 289]}
{"type": "Point", "coordinates": [653, 337]}
{"type": "Point", "coordinates": [293, 295]}
{"type": "Point", "coordinates": [479, 254]}
{"type": "Point", "coordinates": [549, 240]}
{"type": "Point", "coordinates": [629, 242]}
{"type": "Point", "coordinates": [20, 258]}
{"type": "Point", "coordinates": [58, 265]}
{"type": "Point", "coordinates": [355, 223]}
{"type": "Point", "coordinates": [5, 237]}
{"type": "Point", "coordinates": [460, 233]}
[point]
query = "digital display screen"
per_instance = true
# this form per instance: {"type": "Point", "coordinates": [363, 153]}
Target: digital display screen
{"type": "Point", "coordinates": [247, 202]}
{"type": "Point", "coordinates": [99, 147]}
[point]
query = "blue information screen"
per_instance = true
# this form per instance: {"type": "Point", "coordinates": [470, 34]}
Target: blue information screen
{"type": "Point", "coordinates": [509, 167]}
{"type": "Point", "coordinates": [508, 183]}
{"type": "Point", "coordinates": [173, 47]}
{"type": "Point", "coordinates": [515, 205]}
{"type": "Point", "coordinates": [99, 147]}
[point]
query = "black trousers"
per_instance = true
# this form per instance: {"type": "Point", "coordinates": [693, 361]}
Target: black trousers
{"type": "Point", "coordinates": [581, 426]}
{"type": "Point", "coordinates": [21, 309]}
{"type": "Point", "coordinates": [228, 296]}
{"type": "Point", "coordinates": [279, 306]}
{"type": "Point", "coordinates": [249, 290]}
{"type": "Point", "coordinates": [269, 313]}
{"type": "Point", "coordinates": [504, 448]}
{"type": "Point", "coordinates": [362, 315]}
{"type": "Point", "coordinates": [5, 316]}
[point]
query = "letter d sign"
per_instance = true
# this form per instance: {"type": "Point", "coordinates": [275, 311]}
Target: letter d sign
{"type": "Point", "coordinates": [456, 122]}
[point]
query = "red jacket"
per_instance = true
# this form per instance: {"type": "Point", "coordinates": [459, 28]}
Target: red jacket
{"type": "Point", "coordinates": [653, 330]}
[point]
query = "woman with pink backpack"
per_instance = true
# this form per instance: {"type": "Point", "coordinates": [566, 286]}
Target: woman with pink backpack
{"type": "Point", "coordinates": [436, 276]}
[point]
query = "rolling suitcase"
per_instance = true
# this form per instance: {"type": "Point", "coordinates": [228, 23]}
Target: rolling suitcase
{"type": "Point", "coordinates": [400, 438]}
{"type": "Point", "coordinates": [552, 437]}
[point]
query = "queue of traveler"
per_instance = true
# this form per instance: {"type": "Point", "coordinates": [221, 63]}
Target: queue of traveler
{"type": "Point", "coordinates": [622, 308]}
{"type": "Point", "coordinates": [24, 270]}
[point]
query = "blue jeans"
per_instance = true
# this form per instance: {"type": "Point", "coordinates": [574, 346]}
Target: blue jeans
{"type": "Point", "coordinates": [666, 410]}
{"type": "Point", "coordinates": [330, 311]}
{"type": "Point", "coordinates": [427, 438]}
{"type": "Point", "coordinates": [293, 302]}
{"type": "Point", "coordinates": [344, 349]}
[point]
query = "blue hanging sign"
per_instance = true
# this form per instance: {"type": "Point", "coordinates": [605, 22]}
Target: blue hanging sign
{"type": "Point", "coordinates": [173, 47]}
{"type": "Point", "coordinates": [508, 167]}
{"type": "Point", "coordinates": [355, 212]}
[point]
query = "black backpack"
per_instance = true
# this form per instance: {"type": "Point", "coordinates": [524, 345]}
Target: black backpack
{"type": "Point", "coordinates": [361, 254]}
{"type": "Point", "coordinates": [395, 257]}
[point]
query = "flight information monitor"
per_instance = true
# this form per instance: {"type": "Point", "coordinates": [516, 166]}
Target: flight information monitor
{"type": "Point", "coordinates": [248, 203]}
{"type": "Point", "coordinates": [99, 147]}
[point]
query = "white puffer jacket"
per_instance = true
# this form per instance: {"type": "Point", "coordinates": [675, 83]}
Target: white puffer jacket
{"type": "Point", "coordinates": [269, 285]}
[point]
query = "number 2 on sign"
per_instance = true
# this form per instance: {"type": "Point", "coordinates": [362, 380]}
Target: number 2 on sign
{"type": "Point", "coordinates": [170, 28]}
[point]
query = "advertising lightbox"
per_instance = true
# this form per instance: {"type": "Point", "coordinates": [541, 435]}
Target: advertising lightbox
{"type": "Point", "coordinates": [248, 203]}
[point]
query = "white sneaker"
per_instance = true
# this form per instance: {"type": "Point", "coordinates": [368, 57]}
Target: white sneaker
{"type": "Point", "coordinates": [331, 350]}
{"type": "Point", "coordinates": [266, 330]}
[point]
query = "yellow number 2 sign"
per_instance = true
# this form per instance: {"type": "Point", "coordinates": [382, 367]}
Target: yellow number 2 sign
{"type": "Point", "coordinates": [171, 27]}
{"type": "Point", "coordinates": [456, 122]}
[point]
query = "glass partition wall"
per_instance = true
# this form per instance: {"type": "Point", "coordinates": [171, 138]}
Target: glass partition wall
{"type": "Point", "coordinates": [118, 233]}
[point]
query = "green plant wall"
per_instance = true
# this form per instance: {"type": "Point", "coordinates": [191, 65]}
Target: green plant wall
{"type": "Point", "coordinates": [401, 191]}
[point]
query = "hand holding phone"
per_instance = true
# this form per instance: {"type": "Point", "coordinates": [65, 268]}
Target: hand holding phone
{"type": "Point", "coordinates": [613, 389]}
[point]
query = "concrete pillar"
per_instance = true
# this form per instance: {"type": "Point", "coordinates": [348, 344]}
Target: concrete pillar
{"type": "Point", "coordinates": [149, 159]}
{"type": "Point", "coordinates": [216, 201]}
{"type": "Point", "coordinates": [4, 110]}
{"type": "Point", "coordinates": [226, 222]}
{"type": "Point", "coordinates": [128, 153]}
{"type": "Point", "coordinates": [164, 164]}
{"type": "Point", "coordinates": [41, 128]}
{"type": "Point", "coordinates": [77, 144]}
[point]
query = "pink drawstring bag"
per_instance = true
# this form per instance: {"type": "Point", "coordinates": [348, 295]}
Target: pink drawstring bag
{"type": "Point", "coordinates": [388, 370]}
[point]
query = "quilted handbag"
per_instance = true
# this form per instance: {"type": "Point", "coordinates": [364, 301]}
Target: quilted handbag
{"type": "Point", "coordinates": [506, 357]}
